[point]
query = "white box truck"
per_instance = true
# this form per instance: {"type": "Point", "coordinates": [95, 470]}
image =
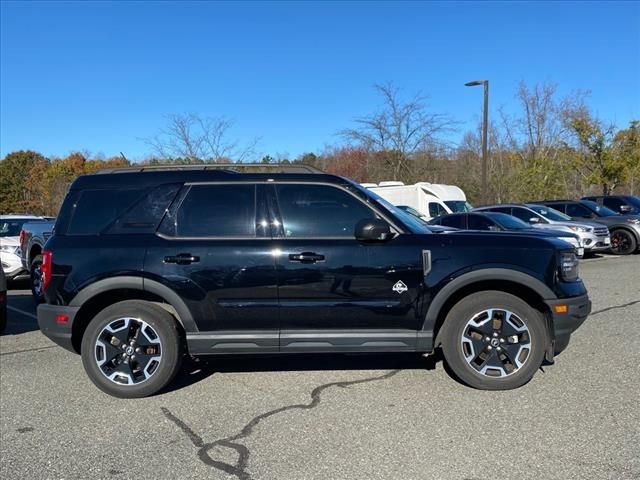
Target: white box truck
{"type": "Point", "coordinates": [430, 199]}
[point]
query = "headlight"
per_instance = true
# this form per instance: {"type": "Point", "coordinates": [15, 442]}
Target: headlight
{"type": "Point", "coordinates": [569, 266]}
{"type": "Point", "coordinates": [10, 249]}
{"type": "Point", "coordinates": [579, 229]}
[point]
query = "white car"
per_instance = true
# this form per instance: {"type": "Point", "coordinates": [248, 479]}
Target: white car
{"type": "Point", "coordinates": [10, 227]}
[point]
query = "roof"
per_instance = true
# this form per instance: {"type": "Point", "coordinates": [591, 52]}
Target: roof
{"type": "Point", "coordinates": [21, 217]}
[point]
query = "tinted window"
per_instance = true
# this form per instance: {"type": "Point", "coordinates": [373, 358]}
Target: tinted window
{"type": "Point", "coordinates": [550, 213]}
{"type": "Point", "coordinates": [613, 203]}
{"type": "Point", "coordinates": [577, 210]}
{"type": "Point", "coordinates": [97, 209]}
{"type": "Point", "coordinates": [456, 221]}
{"type": "Point", "coordinates": [319, 211]}
{"type": "Point", "coordinates": [508, 222]}
{"type": "Point", "coordinates": [218, 211]}
{"type": "Point", "coordinates": [11, 227]}
{"type": "Point", "coordinates": [478, 222]}
{"type": "Point", "coordinates": [523, 214]}
{"type": "Point", "coordinates": [145, 215]}
{"type": "Point", "coordinates": [435, 209]}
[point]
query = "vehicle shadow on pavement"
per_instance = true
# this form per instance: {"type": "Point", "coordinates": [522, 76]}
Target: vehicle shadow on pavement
{"type": "Point", "coordinates": [193, 372]}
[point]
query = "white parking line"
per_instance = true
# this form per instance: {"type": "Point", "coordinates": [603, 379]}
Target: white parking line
{"type": "Point", "coordinates": [22, 312]}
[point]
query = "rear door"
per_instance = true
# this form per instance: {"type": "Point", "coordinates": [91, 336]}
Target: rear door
{"type": "Point", "coordinates": [336, 293]}
{"type": "Point", "coordinates": [214, 250]}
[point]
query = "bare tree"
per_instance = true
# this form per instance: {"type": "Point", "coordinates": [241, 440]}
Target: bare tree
{"type": "Point", "coordinates": [199, 139]}
{"type": "Point", "coordinates": [400, 130]}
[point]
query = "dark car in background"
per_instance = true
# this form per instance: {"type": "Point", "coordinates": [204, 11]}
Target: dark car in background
{"type": "Point", "coordinates": [624, 229]}
{"type": "Point", "coordinates": [501, 222]}
{"type": "Point", "coordinates": [622, 204]}
{"type": "Point", "coordinates": [594, 236]}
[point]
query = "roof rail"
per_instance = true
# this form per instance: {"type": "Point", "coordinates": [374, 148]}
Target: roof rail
{"type": "Point", "coordinates": [228, 167]}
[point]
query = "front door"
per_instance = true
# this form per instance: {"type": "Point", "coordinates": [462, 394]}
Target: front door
{"type": "Point", "coordinates": [336, 293]}
{"type": "Point", "coordinates": [214, 251]}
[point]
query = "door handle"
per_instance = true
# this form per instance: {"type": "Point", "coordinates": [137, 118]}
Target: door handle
{"type": "Point", "coordinates": [182, 259]}
{"type": "Point", "coordinates": [306, 257]}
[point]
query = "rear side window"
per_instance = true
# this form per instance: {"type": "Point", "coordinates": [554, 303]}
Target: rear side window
{"type": "Point", "coordinates": [316, 211]}
{"type": "Point", "coordinates": [97, 209]}
{"type": "Point", "coordinates": [218, 211]}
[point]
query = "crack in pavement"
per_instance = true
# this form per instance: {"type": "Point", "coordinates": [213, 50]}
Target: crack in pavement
{"type": "Point", "coordinates": [28, 350]}
{"type": "Point", "coordinates": [239, 468]}
{"type": "Point", "coordinates": [615, 307]}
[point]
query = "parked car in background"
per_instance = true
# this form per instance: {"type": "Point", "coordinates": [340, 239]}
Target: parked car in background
{"type": "Point", "coordinates": [33, 236]}
{"type": "Point", "coordinates": [501, 222]}
{"type": "Point", "coordinates": [3, 301]}
{"type": "Point", "coordinates": [595, 237]}
{"type": "Point", "coordinates": [10, 227]}
{"type": "Point", "coordinates": [622, 204]}
{"type": "Point", "coordinates": [624, 229]}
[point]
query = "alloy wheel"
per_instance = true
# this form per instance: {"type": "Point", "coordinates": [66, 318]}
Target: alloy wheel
{"type": "Point", "coordinates": [496, 342]}
{"type": "Point", "coordinates": [128, 351]}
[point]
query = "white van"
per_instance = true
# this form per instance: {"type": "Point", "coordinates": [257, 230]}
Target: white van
{"type": "Point", "coordinates": [430, 199]}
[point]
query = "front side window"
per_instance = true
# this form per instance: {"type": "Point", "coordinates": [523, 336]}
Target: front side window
{"type": "Point", "coordinates": [455, 221]}
{"type": "Point", "coordinates": [478, 222]}
{"type": "Point", "coordinates": [435, 209]}
{"type": "Point", "coordinates": [314, 211]}
{"type": "Point", "coordinates": [218, 211]}
{"type": "Point", "coordinates": [577, 210]}
{"type": "Point", "coordinates": [525, 215]}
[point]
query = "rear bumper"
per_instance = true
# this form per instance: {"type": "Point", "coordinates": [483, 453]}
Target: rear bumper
{"type": "Point", "coordinates": [564, 324]}
{"type": "Point", "coordinates": [52, 326]}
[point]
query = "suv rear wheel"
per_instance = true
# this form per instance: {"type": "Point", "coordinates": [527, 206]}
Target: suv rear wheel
{"type": "Point", "coordinates": [132, 349]}
{"type": "Point", "coordinates": [494, 341]}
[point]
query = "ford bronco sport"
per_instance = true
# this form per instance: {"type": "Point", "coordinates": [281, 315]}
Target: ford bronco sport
{"type": "Point", "coordinates": [147, 265]}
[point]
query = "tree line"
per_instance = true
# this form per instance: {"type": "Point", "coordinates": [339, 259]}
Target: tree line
{"type": "Point", "coordinates": [553, 146]}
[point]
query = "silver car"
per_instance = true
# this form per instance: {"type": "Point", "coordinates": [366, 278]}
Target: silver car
{"type": "Point", "coordinates": [595, 237]}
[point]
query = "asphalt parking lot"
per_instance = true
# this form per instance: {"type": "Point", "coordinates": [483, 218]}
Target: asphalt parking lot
{"type": "Point", "coordinates": [334, 417]}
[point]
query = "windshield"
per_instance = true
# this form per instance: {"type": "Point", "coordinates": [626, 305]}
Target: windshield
{"type": "Point", "coordinates": [415, 225]}
{"type": "Point", "coordinates": [600, 210]}
{"type": "Point", "coordinates": [635, 201]}
{"type": "Point", "coordinates": [508, 222]}
{"type": "Point", "coordinates": [11, 228]}
{"type": "Point", "coordinates": [550, 213]}
{"type": "Point", "coordinates": [458, 206]}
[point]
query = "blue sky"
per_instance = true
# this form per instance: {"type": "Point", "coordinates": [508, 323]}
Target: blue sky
{"type": "Point", "coordinates": [102, 75]}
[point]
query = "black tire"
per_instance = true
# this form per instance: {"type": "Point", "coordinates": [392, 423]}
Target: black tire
{"type": "Point", "coordinates": [623, 242]}
{"type": "Point", "coordinates": [35, 277]}
{"type": "Point", "coordinates": [525, 347]}
{"type": "Point", "coordinates": [164, 356]}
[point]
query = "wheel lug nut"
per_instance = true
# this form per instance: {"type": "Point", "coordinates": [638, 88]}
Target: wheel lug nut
{"type": "Point", "coordinates": [502, 340]}
{"type": "Point", "coordinates": [487, 339]}
{"type": "Point", "coordinates": [499, 349]}
{"type": "Point", "coordinates": [489, 347]}
{"type": "Point", "coordinates": [495, 334]}
{"type": "Point", "coordinates": [138, 350]}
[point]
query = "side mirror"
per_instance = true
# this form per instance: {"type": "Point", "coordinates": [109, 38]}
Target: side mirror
{"type": "Point", "coordinates": [625, 209]}
{"type": "Point", "coordinates": [534, 220]}
{"type": "Point", "coordinates": [372, 230]}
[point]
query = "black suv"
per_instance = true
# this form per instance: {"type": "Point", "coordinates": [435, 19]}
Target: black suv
{"type": "Point", "coordinates": [146, 266]}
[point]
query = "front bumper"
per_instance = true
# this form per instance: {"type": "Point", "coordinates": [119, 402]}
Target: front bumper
{"type": "Point", "coordinates": [51, 326]}
{"type": "Point", "coordinates": [564, 324]}
{"type": "Point", "coordinates": [595, 243]}
{"type": "Point", "coordinates": [12, 265]}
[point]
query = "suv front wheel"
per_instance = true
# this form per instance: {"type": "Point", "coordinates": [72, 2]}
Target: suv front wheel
{"type": "Point", "coordinates": [494, 341]}
{"type": "Point", "coordinates": [132, 349]}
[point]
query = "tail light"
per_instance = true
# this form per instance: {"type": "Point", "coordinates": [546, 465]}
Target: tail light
{"type": "Point", "coordinates": [46, 269]}
{"type": "Point", "coordinates": [22, 235]}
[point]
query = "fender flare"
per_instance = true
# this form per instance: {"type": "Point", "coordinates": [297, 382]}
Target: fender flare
{"type": "Point", "coordinates": [491, 274]}
{"type": "Point", "coordinates": [144, 285]}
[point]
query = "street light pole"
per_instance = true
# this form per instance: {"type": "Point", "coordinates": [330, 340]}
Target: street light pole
{"type": "Point", "coordinates": [485, 127]}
